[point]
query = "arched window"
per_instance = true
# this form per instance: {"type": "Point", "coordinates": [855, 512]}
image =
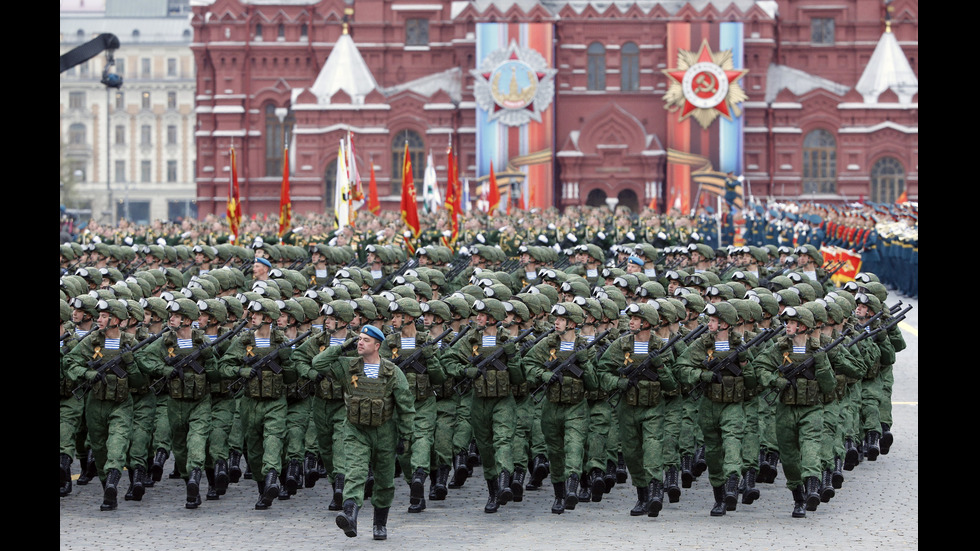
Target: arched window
{"type": "Point", "coordinates": [275, 131]}
{"type": "Point", "coordinates": [76, 134]}
{"type": "Point", "coordinates": [630, 67]}
{"type": "Point", "coordinates": [597, 66]}
{"type": "Point", "coordinates": [887, 180]}
{"type": "Point", "coordinates": [819, 163]}
{"type": "Point", "coordinates": [416, 152]}
{"type": "Point", "coordinates": [258, 32]}
{"type": "Point", "coordinates": [330, 186]}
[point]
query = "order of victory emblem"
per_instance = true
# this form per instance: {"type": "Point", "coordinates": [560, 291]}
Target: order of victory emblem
{"type": "Point", "coordinates": [704, 85]}
{"type": "Point", "coordinates": [514, 85]}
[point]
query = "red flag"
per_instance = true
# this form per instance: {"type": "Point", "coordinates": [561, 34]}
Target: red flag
{"type": "Point", "coordinates": [234, 213]}
{"type": "Point", "coordinates": [285, 206]}
{"type": "Point", "coordinates": [374, 204]}
{"type": "Point", "coordinates": [453, 205]}
{"type": "Point", "coordinates": [408, 245]}
{"type": "Point", "coordinates": [903, 198]}
{"type": "Point", "coordinates": [410, 209]}
{"type": "Point", "coordinates": [493, 193]}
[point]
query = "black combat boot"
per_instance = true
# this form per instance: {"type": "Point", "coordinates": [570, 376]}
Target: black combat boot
{"type": "Point", "coordinates": [310, 474]}
{"type": "Point", "coordinates": [772, 457]}
{"type": "Point", "coordinates": [139, 483]}
{"type": "Point", "coordinates": [338, 494]}
{"type": "Point", "coordinates": [159, 459]}
{"type": "Point", "coordinates": [642, 498]}
{"type": "Point", "coordinates": [212, 494]}
{"type": "Point", "coordinates": [291, 481]}
{"type": "Point", "coordinates": [175, 474]}
{"type": "Point", "coordinates": [89, 471]}
{"type": "Point", "coordinates": [247, 475]}
{"type": "Point", "coordinates": [621, 473]}
{"type": "Point", "coordinates": [111, 490]}
{"type": "Point", "coordinates": [751, 492]}
{"type": "Point", "coordinates": [558, 507]}
{"type": "Point", "coordinates": [670, 484]}
{"type": "Point", "coordinates": [887, 439]}
{"type": "Point", "coordinates": [872, 446]}
{"type": "Point", "coordinates": [193, 489]}
{"type": "Point", "coordinates": [765, 469]}
{"type": "Point", "coordinates": [321, 469]}
{"type": "Point", "coordinates": [417, 507]}
{"type": "Point", "coordinates": [283, 490]}
{"type": "Point", "coordinates": [517, 484]}
{"type": "Point", "coordinates": [597, 484]}
{"type": "Point", "coordinates": [609, 478]}
{"type": "Point", "coordinates": [472, 456]}
{"type": "Point", "coordinates": [656, 492]}
{"type": "Point", "coordinates": [851, 459]}
{"type": "Point", "coordinates": [460, 473]}
{"type": "Point", "coordinates": [129, 492]}
{"type": "Point", "coordinates": [381, 523]}
{"type": "Point", "coordinates": [585, 489]}
{"type": "Point", "coordinates": [799, 502]}
{"type": "Point", "coordinates": [271, 491]}
{"type": "Point", "coordinates": [504, 493]}
{"type": "Point", "coordinates": [261, 505]}
{"type": "Point", "coordinates": [571, 492]}
{"type": "Point", "coordinates": [234, 466]}
{"type": "Point", "coordinates": [417, 493]}
{"type": "Point", "coordinates": [687, 471]}
{"type": "Point", "coordinates": [827, 486]}
{"type": "Point", "coordinates": [442, 482]}
{"type": "Point", "coordinates": [700, 463]}
{"type": "Point", "coordinates": [347, 519]}
{"type": "Point", "coordinates": [731, 492]}
{"type": "Point", "coordinates": [539, 471]}
{"type": "Point", "coordinates": [369, 483]}
{"type": "Point", "coordinates": [221, 478]}
{"type": "Point", "coordinates": [66, 462]}
{"type": "Point", "coordinates": [66, 488]}
{"type": "Point", "coordinates": [812, 485]}
{"type": "Point", "coordinates": [837, 479]}
{"type": "Point", "coordinates": [719, 508]}
{"type": "Point", "coordinates": [433, 479]}
{"type": "Point", "coordinates": [492, 505]}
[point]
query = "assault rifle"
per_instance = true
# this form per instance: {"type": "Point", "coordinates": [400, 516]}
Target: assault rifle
{"type": "Point", "coordinates": [641, 369]}
{"type": "Point", "coordinates": [270, 360]}
{"type": "Point", "coordinates": [526, 347]}
{"type": "Point", "coordinates": [483, 363]}
{"type": "Point", "coordinates": [104, 366]}
{"type": "Point", "coordinates": [412, 361]}
{"type": "Point", "coordinates": [804, 369]}
{"type": "Point", "coordinates": [410, 263]}
{"type": "Point", "coordinates": [695, 333]}
{"type": "Point", "coordinates": [191, 359]}
{"type": "Point", "coordinates": [830, 272]}
{"type": "Point", "coordinates": [730, 362]}
{"type": "Point", "coordinates": [457, 268]}
{"type": "Point", "coordinates": [569, 364]}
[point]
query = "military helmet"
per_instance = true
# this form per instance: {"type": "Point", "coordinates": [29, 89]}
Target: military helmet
{"type": "Point", "coordinates": [207, 250]}
{"type": "Point", "coordinates": [266, 306]}
{"type": "Point", "coordinates": [800, 314]}
{"type": "Point", "coordinates": [293, 308]}
{"type": "Point", "coordinates": [575, 287]}
{"type": "Point", "coordinates": [693, 302]}
{"type": "Point", "coordinates": [339, 309]}
{"type": "Point", "coordinates": [646, 311]}
{"type": "Point", "coordinates": [570, 311]}
{"type": "Point", "coordinates": [492, 307]}
{"type": "Point", "coordinates": [310, 307]}
{"type": "Point", "coordinates": [194, 293]}
{"type": "Point", "coordinates": [743, 309]}
{"type": "Point", "coordinates": [768, 303]}
{"type": "Point", "coordinates": [723, 311]}
{"type": "Point", "coordinates": [866, 277]}
{"type": "Point", "coordinates": [458, 306]}
{"type": "Point", "coordinates": [546, 290]}
{"type": "Point", "coordinates": [818, 309]}
{"type": "Point", "coordinates": [233, 306]}
{"type": "Point", "coordinates": [590, 306]}
{"type": "Point", "coordinates": [65, 311]}
{"type": "Point", "coordinates": [498, 291]}
{"type": "Point", "coordinates": [214, 308]}
{"type": "Point", "coordinates": [788, 297]}
{"type": "Point", "coordinates": [365, 307]}
{"type": "Point", "coordinates": [779, 283]}
{"type": "Point", "coordinates": [437, 308]}
{"type": "Point", "coordinates": [87, 303]}
{"type": "Point", "coordinates": [609, 308]}
{"type": "Point", "coordinates": [872, 301]}
{"type": "Point", "coordinates": [185, 307]}
{"type": "Point", "coordinates": [723, 291]}
{"type": "Point", "coordinates": [407, 306]}
{"type": "Point", "coordinates": [338, 292]}
{"type": "Point", "coordinates": [92, 276]}
{"type": "Point", "coordinates": [665, 309]}
{"type": "Point", "coordinates": [835, 312]}
{"type": "Point", "coordinates": [846, 299]}
{"type": "Point", "coordinates": [652, 289]}
{"type": "Point", "coordinates": [521, 309]}
{"type": "Point", "coordinates": [877, 289]}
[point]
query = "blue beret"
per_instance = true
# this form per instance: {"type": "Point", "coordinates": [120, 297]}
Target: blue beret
{"type": "Point", "coordinates": [373, 331]}
{"type": "Point", "coordinates": [261, 260]}
{"type": "Point", "coordinates": [636, 260]}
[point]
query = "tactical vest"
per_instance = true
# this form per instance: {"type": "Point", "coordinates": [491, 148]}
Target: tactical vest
{"type": "Point", "coordinates": [731, 389]}
{"type": "Point", "coordinates": [571, 389]}
{"type": "Point", "coordinates": [192, 386]}
{"type": "Point", "coordinates": [270, 385]}
{"type": "Point", "coordinates": [807, 390]}
{"type": "Point", "coordinates": [645, 393]}
{"type": "Point", "coordinates": [418, 383]}
{"type": "Point", "coordinates": [370, 402]}
{"type": "Point", "coordinates": [493, 383]}
{"type": "Point", "coordinates": [113, 388]}
{"type": "Point", "coordinates": [328, 388]}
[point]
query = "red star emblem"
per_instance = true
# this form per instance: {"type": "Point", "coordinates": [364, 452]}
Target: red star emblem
{"type": "Point", "coordinates": [705, 84]}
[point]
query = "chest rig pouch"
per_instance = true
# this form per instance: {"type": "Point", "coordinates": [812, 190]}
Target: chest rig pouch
{"type": "Point", "coordinates": [192, 386]}
{"type": "Point", "coordinates": [113, 388]}
{"type": "Point", "coordinates": [571, 389]}
{"type": "Point", "coordinates": [807, 391]}
{"type": "Point", "coordinates": [731, 389]}
{"type": "Point", "coordinates": [369, 402]}
{"type": "Point", "coordinates": [494, 383]}
{"type": "Point", "coordinates": [646, 392]}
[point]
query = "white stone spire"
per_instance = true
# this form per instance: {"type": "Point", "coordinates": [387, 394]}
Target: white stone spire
{"type": "Point", "coordinates": [888, 68]}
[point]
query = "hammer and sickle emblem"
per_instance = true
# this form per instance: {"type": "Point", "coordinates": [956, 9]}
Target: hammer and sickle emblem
{"type": "Point", "coordinates": [705, 83]}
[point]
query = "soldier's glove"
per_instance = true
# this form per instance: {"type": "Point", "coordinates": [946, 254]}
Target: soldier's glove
{"type": "Point", "coordinates": [428, 352]}
{"type": "Point", "coordinates": [207, 352]}
{"type": "Point", "coordinates": [657, 362]}
{"type": "Point", "coordinates": [250, 372]}
{"type": "Point", "coordinates": [879, 337]}
{"type": "Point", "coordinates": [622, 384]}
{"type": "Point", "coordinates": [92, 375]}
{"type": "Point", "coordinates": [510, 349]}
{"type": "Point", "coordinates": [318, 377]}
{"type": "Point", "coordinates": [128, 358]}
{"type": "Point", "coordinates": [582, 357]}
{"type": "Point", "coordinates": [707, 376]}
{"type": "Point", "coordinates": [169, 372]}
{"type": "Point", "coordinates": [781, 383]}
{"type": "Point", "coordinates": [556, 377]}
{"type": "Point", "coordinates": [471, 372]}
{"type": "Point", "coordinates": [285, 353]}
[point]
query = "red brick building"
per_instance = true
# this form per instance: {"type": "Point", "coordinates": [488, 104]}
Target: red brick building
{"type": "Point", "coordinates": [820, 118]}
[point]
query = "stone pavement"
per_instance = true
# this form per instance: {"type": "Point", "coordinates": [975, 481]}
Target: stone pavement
{"type": "Point", "coordinates": [877, 508]}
